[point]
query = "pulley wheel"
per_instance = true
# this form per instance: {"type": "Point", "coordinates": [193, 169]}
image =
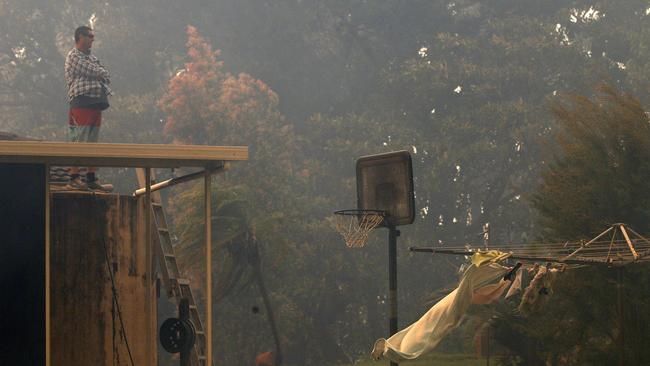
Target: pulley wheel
{"type": "Point", "coordinates": [177, 335]}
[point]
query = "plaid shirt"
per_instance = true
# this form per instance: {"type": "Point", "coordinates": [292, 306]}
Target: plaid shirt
{"type": "Point", "coordinates": [85, 75]}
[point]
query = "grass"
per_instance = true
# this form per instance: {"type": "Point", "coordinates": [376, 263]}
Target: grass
{"type": "Point", "coordinates": [437, 359]}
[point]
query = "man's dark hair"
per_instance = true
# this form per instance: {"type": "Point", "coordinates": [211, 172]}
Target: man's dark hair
{"type": "Point", "coordinates": [81, 31]}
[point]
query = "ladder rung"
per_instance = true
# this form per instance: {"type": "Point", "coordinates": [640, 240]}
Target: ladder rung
{"type": "Point", "coordinates": [170, 256]}
{"type": "Point", "coordinates": [163, 230]}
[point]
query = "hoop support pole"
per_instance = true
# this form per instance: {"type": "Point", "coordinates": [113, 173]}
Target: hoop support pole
{"type": "Point", "coordinates": [393, 233]}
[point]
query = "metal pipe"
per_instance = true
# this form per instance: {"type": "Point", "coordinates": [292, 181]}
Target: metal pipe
{"type": "Point", "coordinates": [487, 361]}
{"type": "Point", "coordinates": [48, 268]}
{"type": "Point", "coordinates": [393, 233]}
{"type": "Point", "coordinates": [515, 256]}
{"type": "Point", "coordinates": [629, 243]}
{"type": "Point", "coordinates": [208, 263]}
{"type": "Point", "coordinates": [621, 316]}
{"type": "Point", "coordinates": [590, 241]}
{"type": "Point", "coordinates": [184, 316]}
{"type": "Point", "coordinates": [182, 179]}
{"type": "Point", "coordinates": [148, 265]}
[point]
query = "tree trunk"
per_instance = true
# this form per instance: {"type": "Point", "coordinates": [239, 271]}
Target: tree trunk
{"type": "Point", "coordinates": [269, 311]}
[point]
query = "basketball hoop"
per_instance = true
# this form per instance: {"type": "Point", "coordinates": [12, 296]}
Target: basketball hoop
{"type": "Point", "coordinates": [354, 225]}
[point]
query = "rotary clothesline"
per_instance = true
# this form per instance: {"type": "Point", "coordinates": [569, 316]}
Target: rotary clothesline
{"type": "Point", "coordinates": [484, 281]}
{"type": "Point", "coordinates": [596, 251]}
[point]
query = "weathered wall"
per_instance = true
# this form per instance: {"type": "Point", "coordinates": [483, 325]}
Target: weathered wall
{"type": "Point", "coordinates": [86, 329]}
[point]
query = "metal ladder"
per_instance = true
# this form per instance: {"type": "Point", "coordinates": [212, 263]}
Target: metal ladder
{"type": "Point", "coordinates": [175, 285]}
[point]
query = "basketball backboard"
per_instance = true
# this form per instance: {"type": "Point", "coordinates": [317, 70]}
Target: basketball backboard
{"type": "Point", "coordinates": [385, 182]}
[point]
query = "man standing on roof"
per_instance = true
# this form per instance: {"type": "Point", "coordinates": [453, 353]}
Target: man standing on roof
{"type": "Point", "coordinates": [88, 92]}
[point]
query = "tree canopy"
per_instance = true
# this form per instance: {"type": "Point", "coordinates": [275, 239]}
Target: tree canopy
{"type": "Point", "coordinates": [595, 176]}
{"type": "Point", "coordinates": [477, 91]}
{"type": "Point", "coordinates": [601, 171]}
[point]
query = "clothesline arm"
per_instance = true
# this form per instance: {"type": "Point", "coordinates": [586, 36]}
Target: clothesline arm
{"type": "Point", "coordinates": [515, 256]}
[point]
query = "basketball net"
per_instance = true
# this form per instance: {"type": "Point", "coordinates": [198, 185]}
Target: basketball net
{"type": "Point", "coordinates": [354, 225]}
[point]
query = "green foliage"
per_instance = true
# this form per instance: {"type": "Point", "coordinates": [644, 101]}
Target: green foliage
{"type": "Point", "coordinates": [434, 359]}
{"type": "Point", "coordinates": [236, 246]}
{"type": "Point", "coordinates": [602, 172]}
{"type": "Point", "coordinates": [206, 105]}
{"type": "Point", "coordinates": [354, 78]}
{"type": "Point", "coordinates": [598, 176]}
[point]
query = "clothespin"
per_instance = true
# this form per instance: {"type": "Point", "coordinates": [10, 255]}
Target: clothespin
{"type": "Point", "coordinates": [509, 276]}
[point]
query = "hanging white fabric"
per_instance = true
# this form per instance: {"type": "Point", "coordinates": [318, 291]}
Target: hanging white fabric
{"type": "Point", "coordinates": [539, 291]}
{"type": "Point", "coordinates": [423, 335]}
{"type": "Point", "coordinates": [516, 284]}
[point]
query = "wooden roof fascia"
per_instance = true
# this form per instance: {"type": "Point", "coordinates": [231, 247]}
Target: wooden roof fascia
{"type": "Point", "coordinates": [119, 155]}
